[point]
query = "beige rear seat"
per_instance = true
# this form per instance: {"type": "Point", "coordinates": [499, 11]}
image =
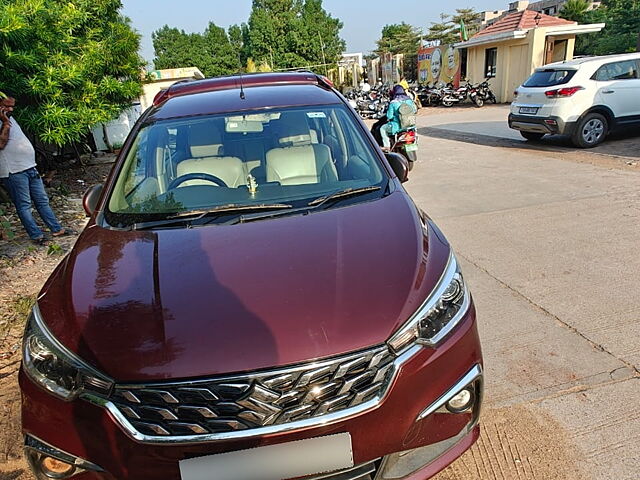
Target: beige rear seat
{"type": "Point", "coordinates": [301, 165]}
{"type": "Point", "coordinates": [300, 159]}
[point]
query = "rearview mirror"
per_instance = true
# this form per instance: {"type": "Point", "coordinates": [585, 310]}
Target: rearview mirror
{"type": "Point", "coordinates": [90, 199]}
{"type": "Point", "coordinates": [399, 165]}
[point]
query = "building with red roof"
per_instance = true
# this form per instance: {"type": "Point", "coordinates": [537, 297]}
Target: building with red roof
{"type": "Point", "coordinates": [508, 50]}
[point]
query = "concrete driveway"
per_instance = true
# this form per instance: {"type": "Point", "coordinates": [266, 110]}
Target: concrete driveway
{"type": "Point", "coordinates": [488, 126]}
{"type": "Point", "coordinates": [549, 245]}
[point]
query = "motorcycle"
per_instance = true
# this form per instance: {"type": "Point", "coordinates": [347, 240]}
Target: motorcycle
{"type": "Point", "coordinates": [485, 93]}
{"type": "Point", "coordinates": [429, 96]}
{"type": "Point", "coordinates": [369, 105]}
{"type": "Point", "coordinates": [451, 95]}
{"type": "Point", "coordinates": [405, 143]}
{"type": "Point", "coordinates": [476, 96]}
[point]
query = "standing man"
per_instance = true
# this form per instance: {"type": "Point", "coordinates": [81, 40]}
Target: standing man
{"type": "Point", "coordinates": [20, 176]}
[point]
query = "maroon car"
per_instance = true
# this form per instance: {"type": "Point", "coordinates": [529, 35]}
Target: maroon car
{"type": "Point", "coordinates": [255, 297]}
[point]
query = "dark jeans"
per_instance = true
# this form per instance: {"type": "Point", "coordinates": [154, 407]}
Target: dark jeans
{"type": "Point", "coordinates": [26, 187]}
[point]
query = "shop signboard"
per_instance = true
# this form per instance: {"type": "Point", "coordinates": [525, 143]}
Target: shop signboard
{"type": "Point", "coordinates": [439, 64]}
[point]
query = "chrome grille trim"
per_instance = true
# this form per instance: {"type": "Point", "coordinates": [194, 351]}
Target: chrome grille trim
{"type": "Point", "coordinates": [233, 426]}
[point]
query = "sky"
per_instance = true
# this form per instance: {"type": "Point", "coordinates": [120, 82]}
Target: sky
{"type": "Point", "coordinates": [363, 20]}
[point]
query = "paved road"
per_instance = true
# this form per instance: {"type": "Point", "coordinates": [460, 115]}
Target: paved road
{"type": "Point", "coordinates": [550, 249]}
{"type": "Point", "coordinates": [488, 126]}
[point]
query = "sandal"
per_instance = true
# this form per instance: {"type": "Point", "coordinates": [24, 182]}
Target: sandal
{"type": "Point", "coordinates": [64, 232]}
{"type": "Point", "coordinates": [40, 240]}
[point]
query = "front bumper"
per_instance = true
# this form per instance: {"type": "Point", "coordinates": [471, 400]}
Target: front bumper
{"type": "Point", "coordinates": [548, 125]}
{"type": "Point", "coordinates": [409, 435]}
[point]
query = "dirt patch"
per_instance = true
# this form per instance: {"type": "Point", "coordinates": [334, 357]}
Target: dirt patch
{"type": "Point", "coordinates": [517, 443]}
{"type": "Point", "coordinates": [24, 267]}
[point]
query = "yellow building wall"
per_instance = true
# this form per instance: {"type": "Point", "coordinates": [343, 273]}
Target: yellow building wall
{"type": "Point", "coordinates": [150, 90]}
{"type": "Point", "coordinates": [516, 60]}
{"type": "Point", "coordinates": [509, 66]}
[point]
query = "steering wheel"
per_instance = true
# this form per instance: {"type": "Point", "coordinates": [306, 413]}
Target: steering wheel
{"type": "Point", "coordinates": [197, 176]}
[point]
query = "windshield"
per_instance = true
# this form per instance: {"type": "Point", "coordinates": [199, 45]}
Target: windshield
{"type": "Point", "coordinates": [256, 160]}
{"type": "Point", "coordinates": [549, 78]}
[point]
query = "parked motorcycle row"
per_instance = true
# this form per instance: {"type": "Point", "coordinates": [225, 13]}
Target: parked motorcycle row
{"type": "Point", "coordinates": [448, 96]}
{"type": "Point", "coordinates": [372, 104]}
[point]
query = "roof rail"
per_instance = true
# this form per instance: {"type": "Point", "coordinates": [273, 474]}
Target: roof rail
{"type": "Point", "coordinates": [247, 80]}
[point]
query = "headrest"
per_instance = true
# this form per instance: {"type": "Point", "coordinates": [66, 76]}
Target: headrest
{"type": "Point", "coordinates": [292, 129]}
{"type": "Point", "coordinates": [296, 140]}
{"type": "Point", "coordinates": [206, 150]}
{"type": "Point", "coordinates": [205, 139]}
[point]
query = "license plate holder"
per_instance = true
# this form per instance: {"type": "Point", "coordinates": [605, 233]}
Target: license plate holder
{"type": "Point", "coordinates": [310, 456]}
{"type": "Point", "coordinates": [529, 110]}
{"type": "Point", "coordinates": [411, 147]}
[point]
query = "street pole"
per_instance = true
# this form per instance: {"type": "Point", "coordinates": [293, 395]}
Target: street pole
{"type": "Point", "coordinates": [324, 59]}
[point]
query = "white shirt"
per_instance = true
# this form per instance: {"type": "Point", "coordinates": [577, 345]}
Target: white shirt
{"type": "Point", "coordinates": [18, 154]}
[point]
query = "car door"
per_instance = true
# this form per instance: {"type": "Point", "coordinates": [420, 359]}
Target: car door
{"type": "Point", "coordinates": [619, 89]}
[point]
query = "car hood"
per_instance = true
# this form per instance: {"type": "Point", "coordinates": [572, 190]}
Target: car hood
{"type": "Point", "coordinates": [194, 302]}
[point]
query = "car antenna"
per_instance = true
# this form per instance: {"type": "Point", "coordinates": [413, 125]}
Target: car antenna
{"type": "Point", "coordinates": [241, 87]}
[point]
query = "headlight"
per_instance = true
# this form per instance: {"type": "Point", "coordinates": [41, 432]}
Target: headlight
{"type": "Point", "coordinates": [49, 364]}
{"type": "Point", "coordinates": [437, 316]}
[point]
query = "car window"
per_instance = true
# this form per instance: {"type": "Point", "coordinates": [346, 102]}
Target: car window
{"type": "Point", "coordinates": [549, 78]}
{"type": "Point", "coordinates": [284, 156]}
{"type": "Point", "coordinates": [617, 71]}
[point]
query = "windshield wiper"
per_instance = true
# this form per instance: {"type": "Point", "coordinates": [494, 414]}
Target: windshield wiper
{"type": "Point", "coordinates": [313, 204]}
{"type": "Point", "coordinates": [341, 194]}
{"type": "Point", "coordinates": [194, 215]}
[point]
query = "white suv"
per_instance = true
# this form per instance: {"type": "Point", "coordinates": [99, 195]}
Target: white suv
{"type": "Point", "coordinates": [584, 98]}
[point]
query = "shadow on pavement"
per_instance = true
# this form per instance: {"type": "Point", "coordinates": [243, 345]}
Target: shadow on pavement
{"type": "Point", "coordinates": [624, 143]}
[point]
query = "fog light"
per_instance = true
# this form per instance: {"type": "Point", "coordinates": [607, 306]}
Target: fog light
{"type": "Point", "coordinates": [54, 468]}
{"type": "Point", "coordinates": [461, 401]}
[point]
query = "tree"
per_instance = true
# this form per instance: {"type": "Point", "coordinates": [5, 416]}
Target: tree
{"type": "Point", "coordinates": [399, 38]}
{"type": "Point", "coordinates": [574, 10]}
{"type": "Point", "coordinates": [211, 51]}
{"type": "Point", "coordinates": [444, 32]}
{"type": "Point", "coordinates": [623, 26]}
{"type": "Point", "coordinates": [620, 35]}
{"type": "Point", "coordinates": [293, 33]}
{"type": "Point", "coordinates": [71, 64]}
{"type": "Point", "coordinates": [239, 40]}
{"type": "Point", "coordinates": [470, 18]}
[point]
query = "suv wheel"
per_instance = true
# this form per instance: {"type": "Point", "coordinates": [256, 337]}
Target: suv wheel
{"type": "Point", "coordinates": [532, 136]}
{"type": "Point", "coordinates": [591, 131]}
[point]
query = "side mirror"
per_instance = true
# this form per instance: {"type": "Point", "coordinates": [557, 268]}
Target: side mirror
{"type": "Point", "coordinates": [399, 165]}
{"type": "Point", "coordinates": [90, 198]}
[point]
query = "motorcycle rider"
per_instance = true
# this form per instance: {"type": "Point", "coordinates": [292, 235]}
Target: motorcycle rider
{"type": "Point", "coordinates": [389, 129]}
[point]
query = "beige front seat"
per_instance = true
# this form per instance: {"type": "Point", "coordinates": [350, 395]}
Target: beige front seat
{"type": "Point", "coordinates": [205, 146]}
{"type": "Point", "coordinates": [228, 169]}
{"type": "Point", "coordinates": [299, 159]}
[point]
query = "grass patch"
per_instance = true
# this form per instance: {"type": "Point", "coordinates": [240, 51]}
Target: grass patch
{"type": "Point", "coordinates": [55, 249]}
{"type": "Point", "coordinates": [22, 305]}
{"type": "Point", "coordinates": [19, 309]}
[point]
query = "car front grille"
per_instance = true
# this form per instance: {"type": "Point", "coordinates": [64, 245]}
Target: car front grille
{"type": "Point", "coordinates": [241, 403]}
{"type": "Point", "coordinates": [364, 471]}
